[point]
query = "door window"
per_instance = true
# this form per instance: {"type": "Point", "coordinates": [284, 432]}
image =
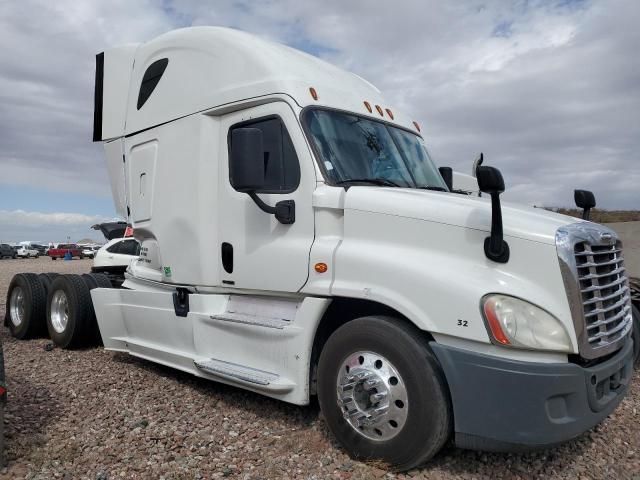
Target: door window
{"type": "Point", "coordinates": [281, 166]}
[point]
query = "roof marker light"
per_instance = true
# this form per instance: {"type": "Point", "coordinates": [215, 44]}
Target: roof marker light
{"type": "Point", "coordinates": [368, 105]}
{"type": "Point", "coordinates": [415, 124]}
{"type": "Point", "coordinates": [313, 93]}
{"type": "Point", "coordinates": [379, 109]}
{"type": "Point", "coordinates": [390, 113]}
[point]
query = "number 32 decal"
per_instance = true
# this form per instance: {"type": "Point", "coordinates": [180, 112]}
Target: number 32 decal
{"type": "Point", "coordinates": [463, 323]}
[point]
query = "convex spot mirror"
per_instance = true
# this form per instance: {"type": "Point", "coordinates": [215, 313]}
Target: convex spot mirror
{"type": "Point", "coordinates": [247, 160]}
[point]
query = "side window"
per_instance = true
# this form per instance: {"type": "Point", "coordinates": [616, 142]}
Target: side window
{"type": "Point", "coordinates": [115, 248]}
{"type": "Point", "coordinates": [281, 166]}
{"type": "Point", "coordinates": [150, 79]}
{"type": "Point", "coordinates": [129, 247]}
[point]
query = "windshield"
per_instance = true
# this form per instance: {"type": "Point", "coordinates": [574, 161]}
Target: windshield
{"type": "Point", "coordinates": [358, 149]}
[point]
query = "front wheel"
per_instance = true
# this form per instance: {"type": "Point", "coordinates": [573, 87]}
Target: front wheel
{"type": "Point", "coordinates": [382, 392]}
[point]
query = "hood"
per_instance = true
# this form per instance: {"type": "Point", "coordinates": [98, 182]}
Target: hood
{"type": "Point", "coordinates": [457, 210]}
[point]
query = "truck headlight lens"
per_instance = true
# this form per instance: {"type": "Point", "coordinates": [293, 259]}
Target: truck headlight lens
{"type": "Point", "coordinates": [512, 322]}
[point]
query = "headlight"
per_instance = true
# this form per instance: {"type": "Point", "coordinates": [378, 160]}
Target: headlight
{"type": "Point", "coordinates": [515, 323]}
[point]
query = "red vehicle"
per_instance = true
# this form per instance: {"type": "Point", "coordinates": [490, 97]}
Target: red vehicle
{"type": "Point", "coordinates": [61, 249]}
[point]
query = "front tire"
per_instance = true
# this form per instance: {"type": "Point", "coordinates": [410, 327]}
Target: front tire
{"type": "Point", "coordinates": [383, 393]}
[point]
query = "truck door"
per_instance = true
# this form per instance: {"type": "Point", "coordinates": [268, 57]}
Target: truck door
{"type": "Point", "coordinates": [259, 252]}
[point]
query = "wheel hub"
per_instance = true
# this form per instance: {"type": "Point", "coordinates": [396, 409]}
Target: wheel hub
{"type": "Point", "coordinates": [59, 311]}
{"type": "Point", "coordinates": [372, 396]}
{"type": "Point", "coordinates": [16, 307]}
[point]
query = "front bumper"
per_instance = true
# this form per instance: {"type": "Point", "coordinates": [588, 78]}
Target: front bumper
{"type": "Point", "coordinates": [508, 405]}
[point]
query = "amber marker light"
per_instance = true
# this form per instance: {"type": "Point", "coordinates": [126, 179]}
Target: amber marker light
{"type": "Point", "coordinates": [415, 124]}
{"type": "Point", "coordinates": [313, 93]}
{"type": "Point", "coordinates": [494, 323]}
{"type": "Point", "coordinates": [368, 105]}
{"type": "Point", "coordinates": [379, 109]}
{"type": "Point", "coordinates": [321, 267]}
{"type": "Point", "coordinates": [390, 113]}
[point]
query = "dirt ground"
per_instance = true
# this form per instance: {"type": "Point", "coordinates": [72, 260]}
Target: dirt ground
{"type": "Point", "coordinates": [101, 415]}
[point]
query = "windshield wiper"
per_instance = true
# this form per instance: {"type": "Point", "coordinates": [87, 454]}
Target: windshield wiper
{"type": "Point", "coordinates": [374, 181]}
{"type": "Point", "coordinates": [432, 187]}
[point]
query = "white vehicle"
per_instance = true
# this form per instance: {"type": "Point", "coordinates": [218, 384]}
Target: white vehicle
{"type": "Point", "coordinates": [27, 251]}
{"type": "Point", "coordinates": [297, 240]}
{"type": "Point", "coordinates": [113, 258]}
{"type": "Point", "coordinates": [91, 250]}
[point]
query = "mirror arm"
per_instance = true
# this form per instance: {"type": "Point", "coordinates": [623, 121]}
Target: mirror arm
{"type": "Point", "coordinates": [260, 203]}
{"type": "Point", "coordinates": [586, 213]}
{"type": "Point", "coordinates": [285, 210]}
{"type": "Point", "coordinates": [495, 247]}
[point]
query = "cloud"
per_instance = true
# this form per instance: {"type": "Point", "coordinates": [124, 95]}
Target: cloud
{"type": "Point", "coordinates": [34, 219]}
{"type": "Point", "coordinates": [549, 90]}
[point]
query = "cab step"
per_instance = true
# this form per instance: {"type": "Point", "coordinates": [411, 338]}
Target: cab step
{"type": "Point", "coordinates": [240, 373]}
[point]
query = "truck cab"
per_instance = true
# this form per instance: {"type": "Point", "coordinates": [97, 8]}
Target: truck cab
{"type": "Point", "coordinates": [297, 239]}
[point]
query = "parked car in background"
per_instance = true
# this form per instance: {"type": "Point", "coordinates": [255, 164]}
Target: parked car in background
{"type": "Point", "coordinates": [42, 250]}
{"type": "Point", "coordinates": [26, 251]}
{"type": "Point", "coordinates": [7, 251]}
{"type": "Point", "coordinates": [114, 258]}
{"type": "Point", "coordinates": [90, 250]}
{"type": "Point", "coordinates": [61, 249]}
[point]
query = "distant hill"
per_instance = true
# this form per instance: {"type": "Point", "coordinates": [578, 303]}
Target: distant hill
{"type": "Point", "coordinates": [601, 216]}
{"type": "Point", "coordinates": [86, 240]}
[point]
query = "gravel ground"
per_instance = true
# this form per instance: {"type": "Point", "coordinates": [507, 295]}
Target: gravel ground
{"type": "Point", "coordinates": [102, 415]}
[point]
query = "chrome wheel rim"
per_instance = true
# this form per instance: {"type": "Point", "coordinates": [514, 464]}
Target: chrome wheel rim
{"type": "Point", "coordinates": [372, 396]}
{"type": "Point", "coordinates": [59, 311]}
{"type": "Point", "coordinates": [16, 307]}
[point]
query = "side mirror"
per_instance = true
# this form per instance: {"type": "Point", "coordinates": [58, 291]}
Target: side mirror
{"type": "Point", "coordinates": [586, 200]}
{"type": "Point", "coordinates": [247, 172]}
{"type": "Point", "coordinates": [247, 160]}
{"type": "Point", "coordinates": [490, 181]}
{"type": "Point", "coordinates": [447, 176]}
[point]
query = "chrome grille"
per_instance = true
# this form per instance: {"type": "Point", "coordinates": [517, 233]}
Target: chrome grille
{"type": "Point", "coordinates": [597, 288]}
{"type": "Point", "coordinates": [604, 290]}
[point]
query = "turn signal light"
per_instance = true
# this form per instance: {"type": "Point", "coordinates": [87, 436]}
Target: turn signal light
{"type": "Point", "coordinates": [368, 105]}
{"type": "Point", "coordinates": [313, 93]}
{"type": "Point", "coordinates": [390, 113]}
{"type": "Point", "coordinates": [379, 109]}
{"type": "Point", "coordinates": [321, 267]}
{"type": "Point", "coordinates": [494, 324]}
{"type": "Point", "coordinates": [415, 124]}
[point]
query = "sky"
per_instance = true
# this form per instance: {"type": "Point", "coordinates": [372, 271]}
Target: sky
{"type": "Point", "coordinates": [549, 90]}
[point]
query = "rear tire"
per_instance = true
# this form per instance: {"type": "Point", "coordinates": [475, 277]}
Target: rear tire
{"type": "Point", "coordinates": [636, 335]}
{"type": "Point", "coordinates": [69, 312]}
{"type": "Point", "coordinates": [46, 279]}
{"type": "Point", "coordinates": [417, 420]}
{"type": "Point", "coordinates": [93, 280]}
{"type": "Point", "coordinates": [53, 258]}
{"type": "Point", "coordinates": [26, 304]}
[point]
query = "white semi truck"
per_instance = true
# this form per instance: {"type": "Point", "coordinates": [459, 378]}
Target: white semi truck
{"type": "Point", "coordinates": [297, 240]}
